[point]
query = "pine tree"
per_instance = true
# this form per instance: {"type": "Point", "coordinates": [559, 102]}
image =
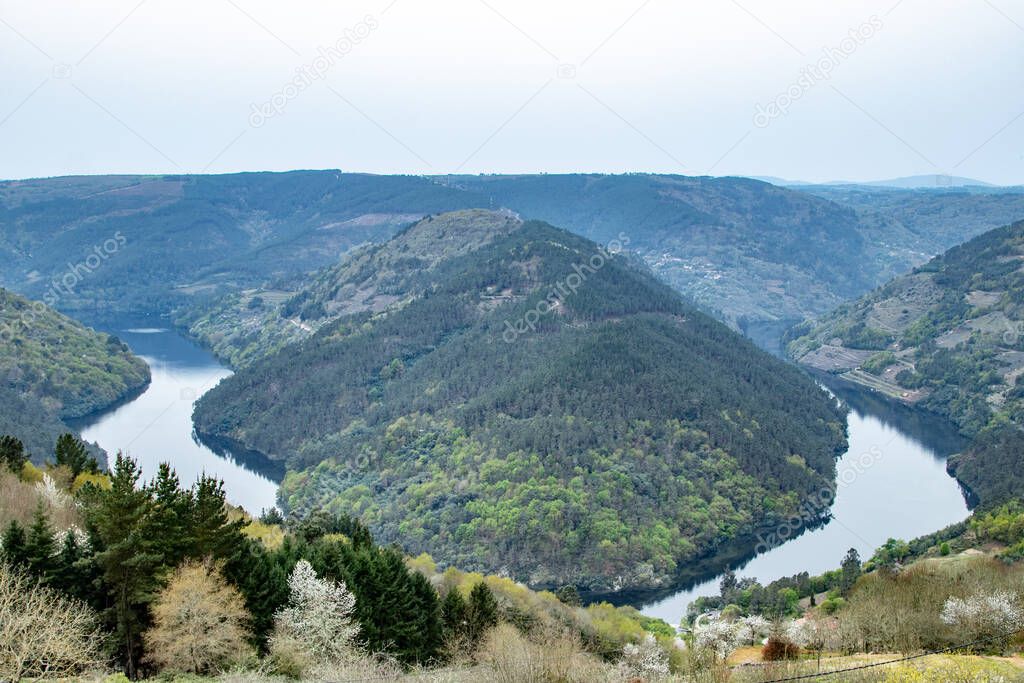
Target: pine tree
{"type": "Point", "coordinates": [14, 542]}
{"type": "Point", "coordinates": [128, 559]}
{"type": "Point", "coordinates": [213, 533]}
{"type": "Point", "coordinates": [264, 586]}
{"type": "Point", "coordinates": [12, 453]}
{"type": "Point", "coordinates": [72, 453]}
{"type": "Point", "coordinates": [483, 611]}
{"type": "Point", "coordinates": [40, 546]}
{"type": "Point", "coordinates": [170, 517]}
{"type": "Point", "coordinates": [851, 571]}
{"type": "Point", "coordinates": [454, 615]}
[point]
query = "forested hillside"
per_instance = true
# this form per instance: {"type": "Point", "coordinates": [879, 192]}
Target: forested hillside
{"type": "Point", "coordinates": [947, 337]}
{"type": "Point", "coordinates": [530, 403]}
{"type": "Point", "coordinates": [208, 247]}
{"type": "Point", "coordinates": [753, 253]}
{"type": "Point", "coordinates": [153, 243]}
{"type": "Point", "coordinates": [55, 369]}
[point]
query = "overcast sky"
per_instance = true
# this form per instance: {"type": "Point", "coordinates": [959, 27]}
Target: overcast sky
{"type": "Point", "coordinates": [818, 90]}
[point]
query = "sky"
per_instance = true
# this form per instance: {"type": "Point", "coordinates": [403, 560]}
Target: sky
{"type": "Point", "coordinates": [816, 91]}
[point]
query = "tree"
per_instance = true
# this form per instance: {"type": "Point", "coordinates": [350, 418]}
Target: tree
{"type": "Point", "coordinates": [43, 633]}
{"type": "Point", "coordinates": [995, 616]}
{"type": "Point", "coordinates": [212, 531]}
{"type": "Point", "coordinates": [40, 546]}
{"type": "Point", "coordinates": [198, 622]}
{"type": "Point", "coordinates": [454, 615]}
{"type": "Point", "coordinates": [646, 659]}
{"type": "Point", "coordinates": [398, 609]}
{"type": "Point", "coordinates": [318, 617]}
{"type": "Point", "coordinates": [483, 611]}
{"type": "Point", "coordinates": [850, 571]}
{"type": "Point", "coordinates": [14, 541]}
{"type": "Point", "coordinates": [12, 453]}
{"type": "Point", "coordinates": [128, 559]}
{"type": "Point", "coordinates": [264, 585]}
{"type": "Point", "coordinates": [569, 595]}
{"type": "Point", "coordinates": [72, 453]}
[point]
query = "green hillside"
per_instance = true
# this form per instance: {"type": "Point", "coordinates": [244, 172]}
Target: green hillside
{"type": "Point", "coordinates": [56, 369]}
{"type": "Point", "coordinates": [947, 337]}
{"type": "Point", "coordinates": [512, 410]}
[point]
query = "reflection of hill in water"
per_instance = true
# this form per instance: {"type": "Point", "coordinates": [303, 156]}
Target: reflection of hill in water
{"type": "Point", "coordinates": [253, 461]}
{"type": "Point", "coordinates": [933, 431]}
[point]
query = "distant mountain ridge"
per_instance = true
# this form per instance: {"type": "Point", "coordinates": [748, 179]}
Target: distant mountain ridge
{"type": "Point", "coordinates": [613, 435]}
{"type": "Point", "coordinates": [752, 253]}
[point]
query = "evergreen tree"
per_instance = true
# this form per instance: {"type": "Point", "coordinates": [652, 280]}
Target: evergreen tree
{"type": "Point", "coordinates": [398, 613]}
{"type": "Point", "coordinates": [74, 571]}
{"type": "Point", "coordinates": [483, 611]}
{"type": "Point", "coordinates": [170, 517]}
{"type": "Point", "coordinates": [454, 615]}
{"type": "Point", "coordinates": [40, 546]}
{"type": "Point", "coordinates": [569, 595]}
{"type": "Point", "coordinates": [72, 453]}
{"type": "Point", "coordinates": [264, 587]}
{"type": "Point", "coordinates": [213, 533]}
{"type": "Point", "coordinates": [14, 542]}
{"type": "Point", "coordinates": [128, 558]}
{"type": "Point", "coordinates": [851, 571]}
{"type": "Point", "coordinates": [12, 453]}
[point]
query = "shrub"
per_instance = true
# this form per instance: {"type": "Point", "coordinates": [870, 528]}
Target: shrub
{"type": "Point", "coordinates": [778, 649]}
{"type": "Point", "coordinates": [198, 622]}
{"type": "Point", "coordinates": [43, 633]}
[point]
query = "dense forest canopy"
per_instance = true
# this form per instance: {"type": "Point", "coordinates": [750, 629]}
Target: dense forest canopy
{"type": "Point", "coordinates": [537, 403]}
{"type": "Point", "coordinates": [55, 369]}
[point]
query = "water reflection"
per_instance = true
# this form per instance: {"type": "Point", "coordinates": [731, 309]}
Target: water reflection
{"type": "Point", "coordinates": [156, 426]}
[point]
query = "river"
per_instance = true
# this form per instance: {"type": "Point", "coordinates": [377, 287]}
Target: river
{"type": "Point", "coordinates": [156, 426]}
{"type": "Point", "coordinates": [892, 481]}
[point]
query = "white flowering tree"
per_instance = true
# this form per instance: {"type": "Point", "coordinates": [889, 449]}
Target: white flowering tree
{"type": "Point", "coordinates": [752, 628]}
{"type": "Point", "coordinates": [645, 659]}
{"type": "Point", "coordinates": [719, 637]}
{"type": "Point", "coordinates": [318, 618]}
{"type": "Point", "coordinates": [995, 616]}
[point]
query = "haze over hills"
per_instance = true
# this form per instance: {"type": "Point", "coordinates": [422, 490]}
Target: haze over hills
{"type": "Point", "coordinates": [757, 256]}
{"type": "Point", "coordinates": [56, 369]}
{"type": "Point", "coordinates": [505, 394]}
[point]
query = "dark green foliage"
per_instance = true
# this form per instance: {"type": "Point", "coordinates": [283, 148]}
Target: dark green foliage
{"type": "Point", "coordinates": [262, 578]}
{"type": "Point", "coordinates": [397, 610]}
{"type": "Point", "coordinates": [72, 453]}
{"type": "Point", "coordinates": [272, 517]}
{"type": "Point", "coordinates": [992, 468]}
{"type": "Point", "coordinates": [12, 453]}
{"type": "Point", "coordinates": [129, 558]}
{"type": "Point", "coordinates": [14, 550]}
{"type": "Point", "coordinates": [851, 570]}
{"type": "Point", "coordinates": [569, 596]}
{"type": "Point", "coordinates": [482, 611]}
{"type": "Point", "coordinates": [40, 545]}
{"type": "Point", "coordinates": [626, 431]}
{"type": "Point", "coordinates": [454, 616]}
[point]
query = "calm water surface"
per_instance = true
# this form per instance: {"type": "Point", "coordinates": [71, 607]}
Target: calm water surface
{"type": "Point", "coordinates": [892, 480]}
{"type": "Point", "coordinates": [157, 426]}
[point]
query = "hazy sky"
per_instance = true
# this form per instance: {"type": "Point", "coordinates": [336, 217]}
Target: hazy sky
{"type": "Point", "coordinates": [811, 90]}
